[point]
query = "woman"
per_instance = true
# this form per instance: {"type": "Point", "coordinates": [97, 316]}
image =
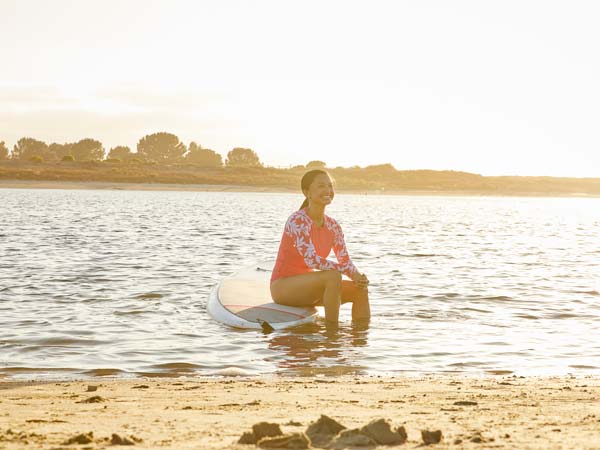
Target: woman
{"type": "Point", "coordinates": [302, 275]}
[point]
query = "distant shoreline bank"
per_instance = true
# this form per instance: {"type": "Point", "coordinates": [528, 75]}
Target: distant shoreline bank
{"type": "Point", "coordinates": [119, 186]}
{"type": "Point", "coordinates": [372, 180]}
{"type": "Point", "coordinates": [122, 186]}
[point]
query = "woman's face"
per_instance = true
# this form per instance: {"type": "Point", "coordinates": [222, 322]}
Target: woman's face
{"type": "Point", "coordinates": [321, 190]}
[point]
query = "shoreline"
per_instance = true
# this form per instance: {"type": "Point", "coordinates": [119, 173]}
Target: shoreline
{"type": "Point", "coordinates": [204, 413]}
{"type": "Point", "coordinates": [107, 185]}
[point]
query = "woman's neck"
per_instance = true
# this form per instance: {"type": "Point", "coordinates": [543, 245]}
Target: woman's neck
{"type": "Point", "coordinates": [316, 212]}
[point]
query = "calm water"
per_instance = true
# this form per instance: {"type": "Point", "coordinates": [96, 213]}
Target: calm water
{"type": "Point", "coordinates": [116, 282]}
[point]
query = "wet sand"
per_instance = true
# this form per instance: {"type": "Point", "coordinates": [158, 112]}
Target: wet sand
{"type": "Point", "coordinates": [491, 412]}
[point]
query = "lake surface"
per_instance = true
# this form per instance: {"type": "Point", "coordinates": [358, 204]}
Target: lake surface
{"type": "Point", "coordinates": [115, 283]}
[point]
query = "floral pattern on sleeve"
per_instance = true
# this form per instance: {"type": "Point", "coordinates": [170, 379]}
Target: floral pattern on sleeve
{"type": "Point", "coordinates": [340, 250]}
{"type": "Point", "coordinates": [298, 228]}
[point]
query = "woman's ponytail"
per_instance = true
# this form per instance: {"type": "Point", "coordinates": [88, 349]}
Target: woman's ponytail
{"type": "Point", "coordinates": [304, 204]}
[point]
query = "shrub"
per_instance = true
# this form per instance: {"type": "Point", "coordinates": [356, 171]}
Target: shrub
{"type": "Point", "coordinates": [36, 159]}
{"type": "Point", "coordinates": [121, 152]}
{"type": "Point", "coordinates": [113, 160]}
{"type": "Point", "coordinates": [135, 161]}
{"type": "Point", "coordinates": [68, 158]}
{"type": "Point", "coordinates": [316, 165]}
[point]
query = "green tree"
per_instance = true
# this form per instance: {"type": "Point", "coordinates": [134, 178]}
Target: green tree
{"type": "Point", "coordinates": [161, 147]}
{"type": "Point", "coordinates": [27, 147]}
{"type": "Point", "coordinates": [59, 151]}
{"type": "Point", "coordinates": [243, 157]}
{"type": "Point", "coordinates": [316, 165]}
{"type": "Point", "coordinates": [88, 149]}
{"type": "Point", "coordinates": [3, 151]}
{"type": "Point", "coordinates": [203, 157]}
{"type": "Point", "coordinates": [121, 152]}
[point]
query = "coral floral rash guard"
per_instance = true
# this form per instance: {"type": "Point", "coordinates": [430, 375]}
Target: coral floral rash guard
{"type": "Point", "coordinates": [305, 246]}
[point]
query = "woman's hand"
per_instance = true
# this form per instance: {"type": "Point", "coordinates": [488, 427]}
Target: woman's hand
{"type": "Point", "coordinates": [361, 280]}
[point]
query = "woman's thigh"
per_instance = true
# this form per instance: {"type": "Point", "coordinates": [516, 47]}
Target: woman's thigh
{"type": "Point", "coordinates": [350, 293]}
{"type": "Point", "coordinates": [301, 290]}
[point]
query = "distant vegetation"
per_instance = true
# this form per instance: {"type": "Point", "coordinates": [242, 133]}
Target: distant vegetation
{"type": "Point", "coordinates": [163, 158]}
{"type": "Point", "coordinates": [3, 151]}
{"type": "Point", "coordinates": [158, 148]}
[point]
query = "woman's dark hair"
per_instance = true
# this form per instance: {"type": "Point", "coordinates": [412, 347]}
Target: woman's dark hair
{"type": "Point", "coordinates": [307, 180]}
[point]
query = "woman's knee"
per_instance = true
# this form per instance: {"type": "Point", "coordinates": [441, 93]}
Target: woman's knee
{"type": "Point", "coordinates": [333, 278]}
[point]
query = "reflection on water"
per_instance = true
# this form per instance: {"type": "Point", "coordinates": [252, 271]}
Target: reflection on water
{"type": "Point", "coordinates": [115, 283]}
{"type": "Point", "coordinates": [320, 349]}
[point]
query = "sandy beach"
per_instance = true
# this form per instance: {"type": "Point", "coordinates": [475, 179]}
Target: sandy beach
{"type": "Point", "coordinates": [213, 413]}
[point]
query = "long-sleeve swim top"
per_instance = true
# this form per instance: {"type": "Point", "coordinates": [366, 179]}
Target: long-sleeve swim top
{"type": "Point", "coordinates": [304, 247]}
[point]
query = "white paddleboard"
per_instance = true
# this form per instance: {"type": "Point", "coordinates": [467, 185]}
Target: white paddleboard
{"type": "Point", "coordinates": [243, 300]}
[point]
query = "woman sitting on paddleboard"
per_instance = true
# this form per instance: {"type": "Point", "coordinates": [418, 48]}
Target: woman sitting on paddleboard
{"type": "Point", "coordinates": [302, 275]}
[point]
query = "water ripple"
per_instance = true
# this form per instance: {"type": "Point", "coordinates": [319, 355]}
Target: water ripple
{"type": "Point", "coordinates": [115, 283]}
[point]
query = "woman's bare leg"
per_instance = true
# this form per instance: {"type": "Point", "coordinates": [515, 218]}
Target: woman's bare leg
{"type": "Point", "coordinates": [361, 310]}
{"type": "Point", "coordinates": [351, 293]}
{"type": "Point", "coordinates": [309, 289]}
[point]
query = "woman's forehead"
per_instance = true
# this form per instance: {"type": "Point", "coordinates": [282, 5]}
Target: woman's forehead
{"type": "Point", "coordinates": [322, 178]}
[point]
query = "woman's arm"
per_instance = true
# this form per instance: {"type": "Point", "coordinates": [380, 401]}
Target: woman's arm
{"type": "Point", "coordinates": [341, 252]}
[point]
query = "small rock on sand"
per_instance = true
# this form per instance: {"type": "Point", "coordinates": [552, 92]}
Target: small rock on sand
{"type": "Point", "coordinates": [247, 438]}
{"type": "Point", "coordinates": [477, 438]}
{"type": "Point", "coordinates": [94, 399]}
{"type": "Point", "coordinates": [292, 441]}
{"type": "Point", "coordinates": [118, 440]}
{"type": "Point", "coordinates": [350, 439]}
{"type": "Point", "coordinates": [321, 431]}
{"type": "Point", "coordinates": [83, 438]}
{"type": "Point", "coordinates": [431, 437]}
{"type": "Point", "coordinates": [260, 430]}
{"type": "Point", "coordinates": [91, 388]}
{"type": "Point", "coordinates": [293, 423]}
{"type": "Point", "coordinates": [266, 429]}
{"type": "Point", "coordinates": [381, 432]}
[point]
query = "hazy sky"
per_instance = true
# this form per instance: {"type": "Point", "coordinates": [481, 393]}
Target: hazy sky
{"type": "Point", "coordinates": [492, 87]}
